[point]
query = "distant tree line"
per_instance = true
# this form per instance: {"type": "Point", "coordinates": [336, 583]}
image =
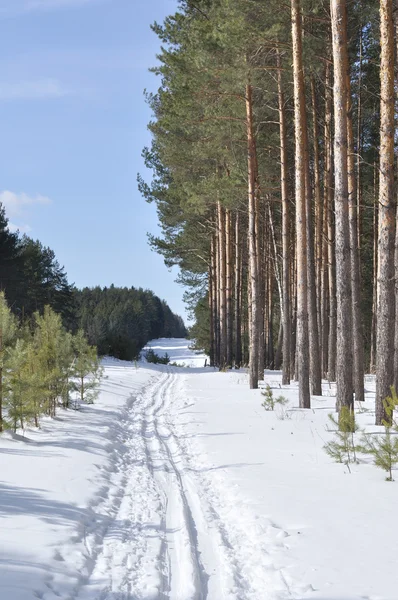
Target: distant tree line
{"type": "Point", "coordinates": [119, 321]}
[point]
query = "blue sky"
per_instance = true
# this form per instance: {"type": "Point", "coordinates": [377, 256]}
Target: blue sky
{"type": "Point", "coordinates": [73, 124]}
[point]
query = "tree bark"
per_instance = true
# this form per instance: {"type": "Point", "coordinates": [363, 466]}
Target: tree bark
{"type": "Point", "coordinates": [318, 211]}
{"type": "Point", "coordinates": [229, 282]}
{"type": "Point", "coordinates": [254, 311]}
{"type": "Point", "coordinates": [302, 354]}
{"type": "Point", "coordinates": [358, 349]}
{"type": "Point", "coordinates": [343, 255]}
{"type": "Point", "coordinates": [385, 273]}
{"type": "Point", "coordinates": [223, 285]}
{"type": "Point", "coordinates": [286, 312]}
{"type": "Point", "coordinates": [238, 293]}
{"type": "Point", "coordinates": [330, 229]}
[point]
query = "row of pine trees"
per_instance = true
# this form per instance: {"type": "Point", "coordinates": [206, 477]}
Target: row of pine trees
{"type": "Point", "coordinates": [273, 155]}
{"type": "Point", "coordinates": [42, 367]}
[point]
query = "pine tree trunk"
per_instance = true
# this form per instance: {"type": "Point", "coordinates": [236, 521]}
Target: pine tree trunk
{"type": "Point", "coordinates": [385, 273]}
{"type": "Point", "coordinates": [302, 354]}
{"type": "Point", "coordinates": [358, 349]}
{"type": "Point", "coordinates": [255, 312]}
{"type": "Point", "coordinates": [229, 282]}
{"type": "Point", "coordinates": [238, 293]}
{"type": "Point", "coordinates": [213, 303]}
{"type": "Point", "coordinates": [223, 285]}
{"type": "Point", "coordinates": [217, 293]}
{"type": "Point", "coordinates": [372, 366]}
{"type": "Point", "coordinates": [286, 312]}
{"type": "Point", "coordinates": [260, 234]}
{"type": "Point", "coordinates": [396, 240]}
{"type": "Point", "coordinates": [315, 357]}
{"type": "Point", "coordinates": [324, 270]}
{"type": "Point", "coordinates": [331, 255]}
{"type": "Point", "coordinates": [359, 138]}
{"type": "Point", "coordinates": [318, 212]}
{"type": "Point", "coordinates": [344, 396]}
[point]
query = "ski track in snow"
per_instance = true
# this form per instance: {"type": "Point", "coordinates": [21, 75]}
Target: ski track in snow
{"type": "Point", "coordinates": [167, 530]}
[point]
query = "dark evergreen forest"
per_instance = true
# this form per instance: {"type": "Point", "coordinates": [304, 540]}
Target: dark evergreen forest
{"type": "Point", "coordinates": [118, 321]}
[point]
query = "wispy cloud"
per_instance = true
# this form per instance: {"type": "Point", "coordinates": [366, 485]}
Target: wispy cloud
{"type": "Point", "coordinates": [17, 207]}
{"type": "Point", "coordinates": [32, 90]}
{"type": "Point", "coordinates": [19, 7]}
{"type": "Point", "coordinates": [21, 228]}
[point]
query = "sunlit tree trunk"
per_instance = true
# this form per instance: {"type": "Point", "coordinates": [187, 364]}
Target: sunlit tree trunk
{"type": "Point", "coordinates": [343, 255]}
{"type": "Point", "coordinates": [286, 313]}
{"type": "Point", "coordinates": [385, 272]}
{"type": "Point", "coordinates": [302, 354]}
{"type": "Point", "coordinates": [254, 312]}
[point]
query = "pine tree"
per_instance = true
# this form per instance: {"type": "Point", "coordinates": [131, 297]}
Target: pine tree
{"type": "Point", "coordinates": [87, 370]}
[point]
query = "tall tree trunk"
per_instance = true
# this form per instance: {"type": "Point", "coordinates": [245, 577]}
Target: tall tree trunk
{"type": "Point", "coordinates": [260, 238]}
{"type": "Point", "coordinates": [315, 358]}
{"type": "Point", "coordinates": [217, 293]}
{"type": "Point", "coordinates": [359, 134]}
{"type": "Point", "coordinates": [318, 211]}
{"type": "Point", "coordinates": [211, 307]}
{"type": "Point", "coordinates": [286, 312]}
{"type": "Point", "coordinates": [358, 350]}
{"type": "Point", "coordinates": [238, 293]}
{"type": "Point", "coordinates": [385, 273]}
{"type": "Point", "coordinates": [223, 285]}
{"type": "Point", "coordinates": [302, 355]}
{"type": "Point", "coordinates": [229, 282]}
{"type": "Point", "coordinates": [343, 254]}
{"type": "Point", "coordinates": [330, 230]}
{"type": "Point", "coordinates": [372, 366]}
{"type": "Point", "coordinates": [255, 312]}
{"type": "Point", "coordinates": [214, 319]}
{"type": "Point", "coordinates": [395, 383]}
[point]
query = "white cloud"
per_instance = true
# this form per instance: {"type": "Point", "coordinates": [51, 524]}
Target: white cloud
{"type": "Point", "coordinates": [17, 207]}
{"type": "Point", "coordinates": [32, 90]}
{"type": "Point", "coordinates": [21, 228]}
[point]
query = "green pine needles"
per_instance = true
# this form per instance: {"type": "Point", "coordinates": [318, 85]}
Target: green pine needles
{"type": "Point", "coordinates": [270, 401]}
{"type": "Point", "coordinates": [154, 358]}
{"type": "Point", "coordinates": [42, 367]}
{"type": "Point", "coordinates": [381, 447]}
{"type": "Point", "coordinates": [384, 448]}
{"type": "Point", "coordinates": [342, 448]}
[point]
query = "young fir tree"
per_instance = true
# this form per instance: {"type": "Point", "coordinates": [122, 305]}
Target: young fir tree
{"type": "Point", "coordinates": [49, 341]}
{"type": "Point", "coordinates": [87, 370]}
{"type": "Point", "coordinates": [342, 449]}
{"type": "Point", "coordinates": [16, 386]}
{"type": "Point", "coordinates": [384, 448]}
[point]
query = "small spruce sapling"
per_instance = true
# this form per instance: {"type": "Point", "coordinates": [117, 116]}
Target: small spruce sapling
{"type": "Point", "coordinates": [384, 448]}
{"type": "Point", "coordinates": [87, 369]}
{"type": "Point", "coordinates": [342, 449]}
{"type": "Point", "coordinates": [270, 401]}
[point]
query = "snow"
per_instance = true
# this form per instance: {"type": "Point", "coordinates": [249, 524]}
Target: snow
{"type": "Point", "coordinates": [179, 351]}
{"type": "Point", "coordinates": [176, 484]}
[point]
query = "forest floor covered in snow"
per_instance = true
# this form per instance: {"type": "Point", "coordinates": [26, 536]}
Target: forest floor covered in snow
{"type": "Point", "coordinates": [176, 484]}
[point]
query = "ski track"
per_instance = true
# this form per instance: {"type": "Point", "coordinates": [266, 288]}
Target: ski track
{"type": "Point", "coordinates": [163, 528]}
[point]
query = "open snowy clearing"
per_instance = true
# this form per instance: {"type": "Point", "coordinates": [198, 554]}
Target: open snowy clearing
{"type": "Point", "coordinates": [178, 485]}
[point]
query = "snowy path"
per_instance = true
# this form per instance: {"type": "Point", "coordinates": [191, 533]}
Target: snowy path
{"type": "Point", "coordinates": [177, 485]}
{"type": "Point", "coordinates": [166, 538]}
